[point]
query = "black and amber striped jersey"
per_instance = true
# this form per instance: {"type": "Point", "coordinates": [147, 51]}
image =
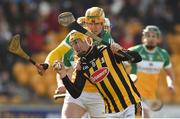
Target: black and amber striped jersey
{"type": "Point", "coordinates": [106, 71]}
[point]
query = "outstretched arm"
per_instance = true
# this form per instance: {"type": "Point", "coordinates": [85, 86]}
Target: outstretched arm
{"type": "Point", "coordinates": [124, 55]}
{"type": "Point", "coordinates": [135, 55]}
{"type": "Point", "coordinates": [170, 79]}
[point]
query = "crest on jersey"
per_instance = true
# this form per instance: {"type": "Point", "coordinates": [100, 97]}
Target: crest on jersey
{"type": "Point", "coordinates": [99, 75]}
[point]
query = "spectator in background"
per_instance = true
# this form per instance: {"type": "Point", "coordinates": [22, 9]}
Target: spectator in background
{"type": "Point", "coordinates": [36, 38]}
{"type": "Point", "coordinates": [4, 83]}
{"type": "Point", "coordinates": [131, 32]}
{"type": "Point", "coordinates": [5, 33]}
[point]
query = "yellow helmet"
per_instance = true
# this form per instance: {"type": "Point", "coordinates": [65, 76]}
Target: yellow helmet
{"type": "Point", "coordinates": [77, 35]}
{"type": "Point", "coordinates": [95, 14]}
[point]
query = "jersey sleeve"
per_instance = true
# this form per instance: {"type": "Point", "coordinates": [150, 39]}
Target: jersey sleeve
{"type": "Point", "coordinates": [134, 48]}
{"type": "Point", "coordinates": [134, 65]}
{"type": "Point", "coordinates": [133, 68]}
{"type": "Point", "coordinates": [59, 51]}
{"type": "Point", "coordinates": [122, 56]}
{"type": "Point", "coordinates": [76, 88]}
{"type": "Point", "coordinates": [68, 58]}
{"type": "Point", "coordinates": [167, 62]}
{"type": "Point", "coordinates": [107, 38]}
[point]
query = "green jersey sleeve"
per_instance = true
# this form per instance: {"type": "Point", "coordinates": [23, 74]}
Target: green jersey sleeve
{"type": "Point", "coordinates": [67, 39]}
{"type": "Point", "coordinates": [167, 62]}
{"type": "Point", "coordinates": [136, 48]}
{"type": "Point", "coordinates": [106, 36]}
{"type": "Point", "coordinates": [68, 58]}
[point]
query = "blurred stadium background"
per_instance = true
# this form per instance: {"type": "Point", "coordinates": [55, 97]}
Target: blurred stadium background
{"type": "Point", "coordinates": [23, 93]}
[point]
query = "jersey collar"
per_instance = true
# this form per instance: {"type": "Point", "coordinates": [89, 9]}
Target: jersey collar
{"type": "Point", "coordinates": [149, 51]}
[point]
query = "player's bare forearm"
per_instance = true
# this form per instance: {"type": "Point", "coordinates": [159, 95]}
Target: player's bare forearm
{"type": "Point", "coordinates": [170, 80]}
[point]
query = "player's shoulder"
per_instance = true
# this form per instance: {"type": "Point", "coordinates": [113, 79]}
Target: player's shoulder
{"type": "Point", "coordinates": [66, 39]}
{"type": "Point", "coordinates": [105, 33]}
{"type": "Point", "coordinates": [162, 51]}
{"type": "Point", "coordinates": [136, 47]}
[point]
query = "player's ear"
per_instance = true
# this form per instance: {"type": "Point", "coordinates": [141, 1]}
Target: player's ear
{"type": "Point", "coordinates": [143, 39]}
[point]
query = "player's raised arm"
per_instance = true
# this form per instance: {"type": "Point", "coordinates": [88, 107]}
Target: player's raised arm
{"type": "Point", "coordinates": [75, 88]}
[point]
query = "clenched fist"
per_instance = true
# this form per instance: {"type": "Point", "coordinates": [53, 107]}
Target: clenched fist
{"type": "Point", "coordinates": [59, 68]}
{"type": "Point", "coordinates": [115, 47]}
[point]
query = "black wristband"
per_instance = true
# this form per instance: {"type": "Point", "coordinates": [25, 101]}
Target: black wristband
{"type": "Point", "coordinates": [45, 66]}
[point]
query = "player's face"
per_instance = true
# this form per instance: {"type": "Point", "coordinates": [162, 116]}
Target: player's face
{"type": "Point", "coordinates": [95, 28]}
{"type": "Point", "coordinates": [150, 39]}
{"type": "Point", "coordinates": [80, 47]}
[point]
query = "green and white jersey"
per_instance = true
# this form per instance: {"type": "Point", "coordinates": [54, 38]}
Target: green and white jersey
{"type": "Point", "coordinates": [68, 59]}
{"type": "Point", "coordinates": [152, 61]}
{"type": "Point", "coordinates": [148, 70]}
{"type": "Point", "coordinates": [105, 35]}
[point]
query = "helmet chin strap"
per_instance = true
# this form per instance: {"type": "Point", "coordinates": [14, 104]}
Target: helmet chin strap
{"type": "Point", "coordinates": [84, 53]}
{"type": "Point", "coordinates": [89, 42]}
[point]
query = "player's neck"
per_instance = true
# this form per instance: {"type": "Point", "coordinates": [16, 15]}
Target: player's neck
{"type": "Point", "coordinates": [150, 48]}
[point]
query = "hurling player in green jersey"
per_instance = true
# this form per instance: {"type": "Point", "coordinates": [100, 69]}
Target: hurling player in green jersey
{"type": "Point", "coordinates": [154, 59]}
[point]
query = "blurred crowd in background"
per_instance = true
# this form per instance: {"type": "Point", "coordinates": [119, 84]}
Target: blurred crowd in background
{"type": "Point", "coordinates": [36, 22]}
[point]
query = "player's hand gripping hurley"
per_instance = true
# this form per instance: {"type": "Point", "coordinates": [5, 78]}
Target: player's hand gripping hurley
{"type": "Point", "coordinates": [14, 47]}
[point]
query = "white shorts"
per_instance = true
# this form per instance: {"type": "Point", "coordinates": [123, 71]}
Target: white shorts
{"type": "Point", "coordinates": [129, 112]}
{"type": "Point", "coordinates": [145, 105]}
{"type": "Point", "coordinates": [92, 102]}
{"type": "Point", "coordinates": [152, 105]}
